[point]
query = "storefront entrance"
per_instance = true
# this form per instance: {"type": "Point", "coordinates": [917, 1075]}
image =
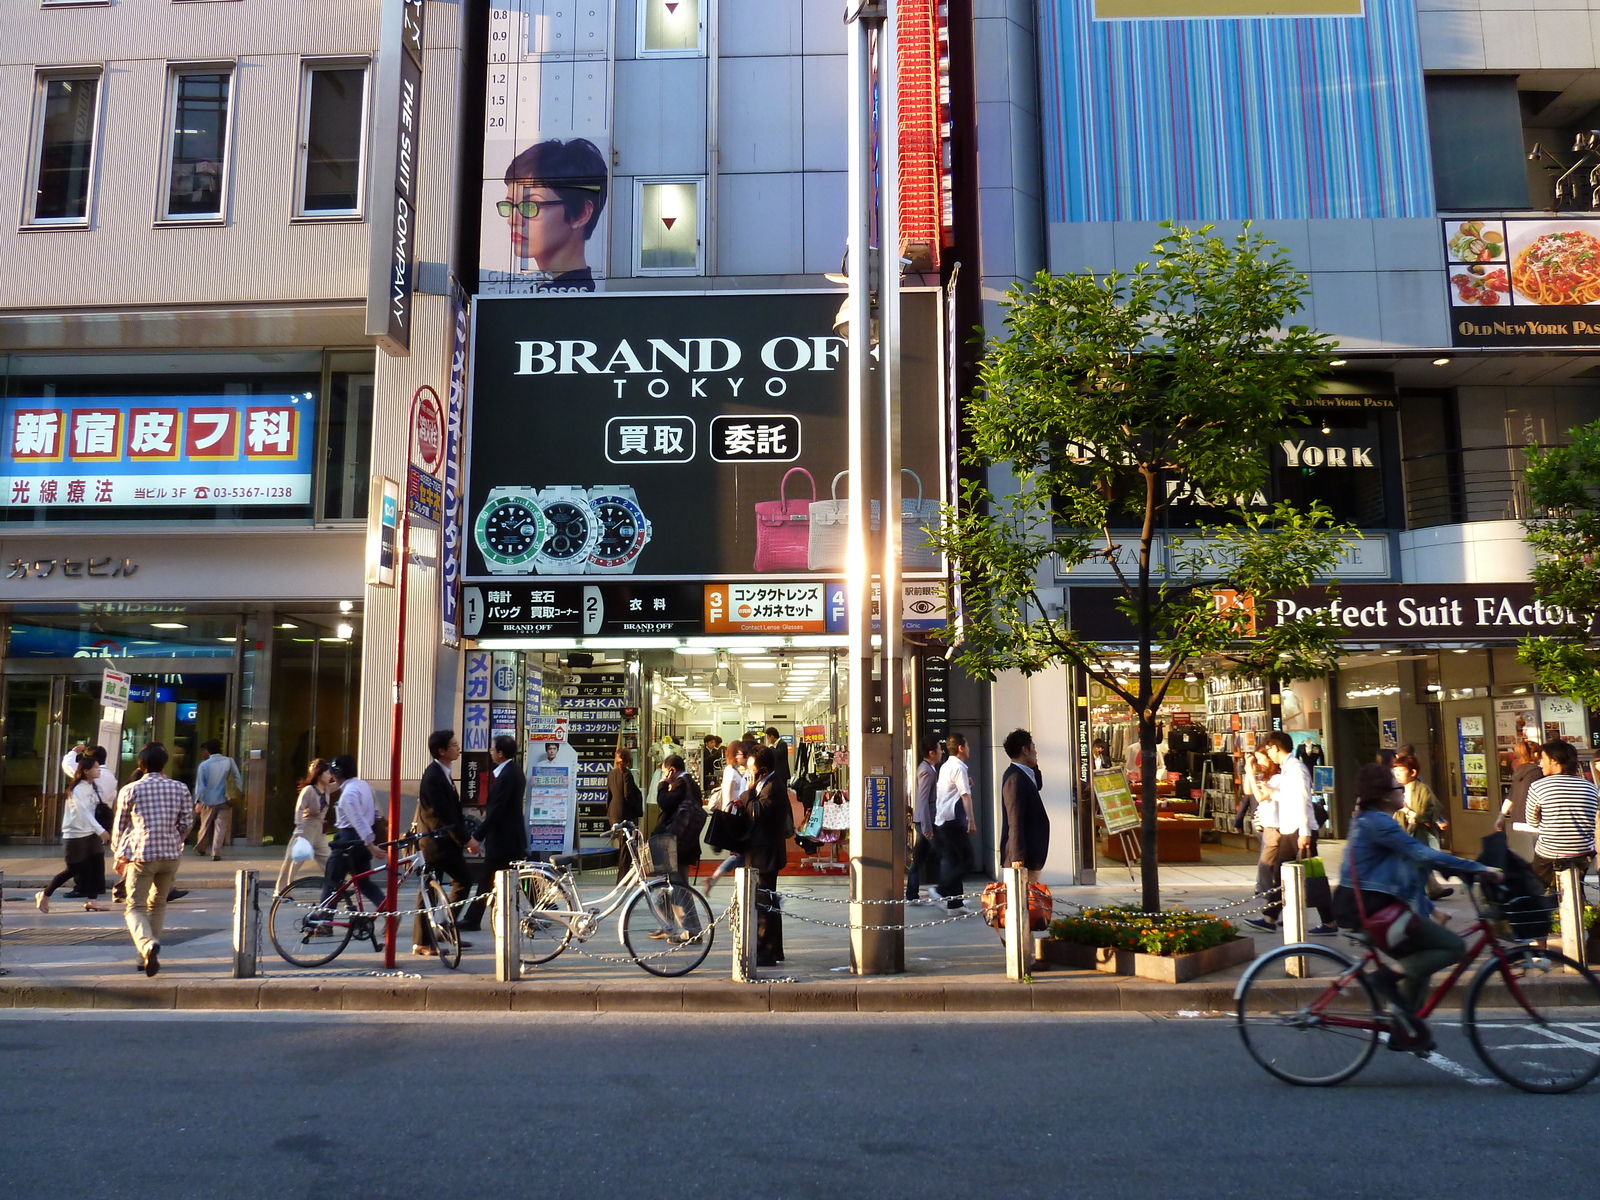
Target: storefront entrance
{"type": "Point", "coordinates": [45, 715]}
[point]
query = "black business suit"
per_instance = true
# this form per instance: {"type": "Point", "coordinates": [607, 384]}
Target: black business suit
{"type": "Point", "coordinates": [1024, 824]}
{"type": "Point", "coordinates": [439, 808]}
{"type": "Point", "coordinates": [503, 834]}
{"type": "Point", "coordinates": [624, 802]}
{"type": "Point", "coordinates": [766, 851]}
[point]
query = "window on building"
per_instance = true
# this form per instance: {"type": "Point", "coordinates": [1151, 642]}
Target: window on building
{"type": "Point", "coordinates": [670, 27]}
{"type": "Point", "coordinates": [1476, 136]}
{"type": "Point", "coordinates": [667, 227]}
{"type": "Point", "coordinates": [333, 123]}
{"type": "Point", "coordinates": [347, 463]}
{"type": "Point", "coordinates": [195, 174]}
{"type": "Point", "coordinates": [64, 143]}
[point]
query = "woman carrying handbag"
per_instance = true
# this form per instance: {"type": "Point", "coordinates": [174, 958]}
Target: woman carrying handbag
{"type": "Point", "coordinates": [82, 836]}
{"type": "Point", "coordinates": [317, 790]}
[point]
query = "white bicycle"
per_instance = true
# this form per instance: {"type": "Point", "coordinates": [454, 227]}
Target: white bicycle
{"type": "Point", "coordinates": [666, 928]}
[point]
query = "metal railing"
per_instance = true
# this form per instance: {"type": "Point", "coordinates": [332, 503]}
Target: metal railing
{"type": "Point", "coordinates": [1442, 489]}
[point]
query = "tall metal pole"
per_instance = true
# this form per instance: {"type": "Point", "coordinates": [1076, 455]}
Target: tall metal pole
{"type": "Point", "coordinates": [392, 921]}
{"type": "Point", "coordinates": [878, 818]}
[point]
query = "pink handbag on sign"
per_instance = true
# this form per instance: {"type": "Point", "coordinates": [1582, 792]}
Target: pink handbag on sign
{"type": "Point", "coordinates": [783, 528]}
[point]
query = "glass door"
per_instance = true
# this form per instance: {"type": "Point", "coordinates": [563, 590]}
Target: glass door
{"type": "Point", "coordinates": [44, 717]}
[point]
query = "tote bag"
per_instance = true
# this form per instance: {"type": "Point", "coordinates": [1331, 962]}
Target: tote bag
{"type": "Point", "coordinates": [918, 518]}
{"type": "Point", "coordinates": [830, 530]}
{"type": "Point", "coordinates": [782, 526]}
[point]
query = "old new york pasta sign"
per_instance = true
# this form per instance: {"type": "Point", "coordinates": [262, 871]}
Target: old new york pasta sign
{"type": "Point", "coordinates": [1523, 282]}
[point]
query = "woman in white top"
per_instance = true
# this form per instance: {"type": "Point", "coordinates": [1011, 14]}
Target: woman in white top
{"type": "Point", "coordinates": [735, 784]}
{"type": "Point", "coordinates": [82, 836]}
{"type": "Point", "coordinates": [310, 810]}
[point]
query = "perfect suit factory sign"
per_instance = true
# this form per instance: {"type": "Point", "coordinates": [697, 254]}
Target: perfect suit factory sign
{"type": "Point", "coordinates": [682, 437]}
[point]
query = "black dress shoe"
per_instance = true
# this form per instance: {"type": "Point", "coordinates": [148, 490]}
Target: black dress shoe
{"type": "Point", "coordinates": [152, 962]}
{"type": "Point", "coordinates": [463, 944]}
{"type": "Point", "coordinates": [177, 894]}
{"type": "Point", "coordinates": [768, 962]}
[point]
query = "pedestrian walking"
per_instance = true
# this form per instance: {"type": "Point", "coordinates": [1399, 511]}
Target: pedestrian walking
{"type": "Point", "coordinates": [503, 836]}
{"type": "Point", "coordinates": [1422, 815]}
{"type": "Point", "coordinates": [734, 785]}
{"type": "Point", "coordinates": [317, 790]}
{"type": "Point", "coordinates": [83, 837]}
{"type": "Point", "coordinates": [683, 815]}
{"type": "Point", "coordinates": [212, 780]}
{"type": "Point", "coordinates": [152, 819]}
{"type": "Point", "coordinates": [1290, 834]}
{"type": "Point", "coordinates": [766, 852]}
{"type": "Point", "coordinates": [924, 859]}
{"type": "Point", "coordinates": [955, 819]}
{"type": "Point", "coordinates": [780, 757]}
{"type": "Point", "coordinates": [439, 812]}
{"type": "Point", "coordinates": [1514, 810]}
{"type": "Point", "coordinates": [1562, 804]}
{"type": "Point", "coordinates": [1259, 772]}
{"type": "Point", "coordinates": [1024, 823]}
{"type": "Point", "coordinates": [624, 802]}
{"type": "Point", "coordinates": [354, 832]}
{"type": "Point", "coordinates": [93, 878]}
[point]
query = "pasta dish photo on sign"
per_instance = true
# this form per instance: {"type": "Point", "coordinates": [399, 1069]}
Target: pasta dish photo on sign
{"type": "Point", "coordinates": [1523, 282]}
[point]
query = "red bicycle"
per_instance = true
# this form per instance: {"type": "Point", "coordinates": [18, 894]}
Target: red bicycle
{"type": "Point", "coordinates": [1311, 1015]}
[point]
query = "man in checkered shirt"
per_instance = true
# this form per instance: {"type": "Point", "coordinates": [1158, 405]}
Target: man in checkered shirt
{"type": "Point", "coordinates": [153, 814]}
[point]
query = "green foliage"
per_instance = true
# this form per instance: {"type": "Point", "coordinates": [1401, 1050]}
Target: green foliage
{"type": "Point", "coordinates": [1591, 914]}
{"type": "Point", "coordinates": [1563, 485]}
{"type": "Point", "coordinates": [1123, 927]}
{"type": "Point", "coordinates": [1106, 398]}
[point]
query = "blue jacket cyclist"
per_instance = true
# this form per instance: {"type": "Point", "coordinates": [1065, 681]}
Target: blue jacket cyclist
{"type": "Point", "coordinates": [1392, 864]}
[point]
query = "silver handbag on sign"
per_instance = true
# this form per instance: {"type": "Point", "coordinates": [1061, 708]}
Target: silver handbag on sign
{"type": "Point", "coordinates": [830, 530]}
{"type": "Point", "coordinates": [918, 518]}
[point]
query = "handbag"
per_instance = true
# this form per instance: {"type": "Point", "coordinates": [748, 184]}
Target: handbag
{"type": "Point", "coordinates": [830, 530]}
{"type": "Point", "coordinates": [1041, 906]}
{"type": "Point", "coordinates": [918, 519]}
{"type": "Point", "coordinates": [300, 848]}
{"type": "Point", "coordinates": [783, 527]}
{"type": "Point", "coordinates": [813, 824]}
{"type": "Point", "coordinates": [727, 830]}
{"type": "Point", "coordinates": [1392, 926]}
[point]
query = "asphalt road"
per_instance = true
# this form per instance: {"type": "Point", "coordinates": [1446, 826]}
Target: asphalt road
{"type": "Point", "coordinates": [158, 1105]}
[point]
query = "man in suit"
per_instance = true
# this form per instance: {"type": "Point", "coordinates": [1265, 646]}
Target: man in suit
{"type": "Point", "coordinates": [780, 759]}
{"type": "Point", "coordinates": [439, 810]}
{"type": "Point", "coordinates": [1024, 824]}
{"type": "Point", "coordinates": [624, 802]}
{"type": "Point", "coordinates": [503, 837]}
{"type": "Point", "coordinates": [765, 852]}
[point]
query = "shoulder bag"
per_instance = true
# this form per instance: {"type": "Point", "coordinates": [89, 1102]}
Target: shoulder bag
{"type": "Point", "coordinates": [783, 527]}
{"type": "Point", "coordinates": [1391, 926]}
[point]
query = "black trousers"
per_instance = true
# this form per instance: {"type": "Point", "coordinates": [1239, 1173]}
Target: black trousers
{"type": "Point", "coordinates": [448, 859]}
{"type": "Point", "coordinates": [924, 865]}
{"type": "Point", "coordinates": [350, 856]}
{"type": "Point", "coordinates": [769, 920]}
{"type": "Point", "coordinates": [953, 846]}
{"type": "Point", "coordinates": [491, 867]}
{"type": "Point", "coordinates": [86, 866]}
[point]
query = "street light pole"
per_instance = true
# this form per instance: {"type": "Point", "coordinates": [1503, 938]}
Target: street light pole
{"type": "Point", "coordinates": [876, 770]}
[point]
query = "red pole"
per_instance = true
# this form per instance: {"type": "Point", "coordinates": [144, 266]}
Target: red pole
{"type": "Point", "coordinates": [392, 921]}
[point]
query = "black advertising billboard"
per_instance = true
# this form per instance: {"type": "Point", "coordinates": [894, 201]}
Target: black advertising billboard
{"type": "Point", "coordinates": [1523, 282]}
{"type": "Point", "coordinates": [681, 436]}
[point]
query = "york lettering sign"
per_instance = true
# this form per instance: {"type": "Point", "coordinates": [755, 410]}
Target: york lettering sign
{"type": "Point", "coordinates": [1300, 454]}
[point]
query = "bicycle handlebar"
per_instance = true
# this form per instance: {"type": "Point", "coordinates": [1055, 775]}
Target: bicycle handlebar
{"type": "Point", "coordinates": [411, 839]}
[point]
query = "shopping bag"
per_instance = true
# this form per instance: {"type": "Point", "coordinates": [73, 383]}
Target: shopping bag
{"type": "Point", "coordinates": [1315, 869]}
{"type": "Point", "coordinates": [300, 848]}
{"type": "Point", "coordinates": [782, 527]}
{"type": "Point", "coordinates": [1041, 906]}
{"type": "Point", "coordinates": [830, 530]}
{"type": "Point", "coordinates": [918, 518]}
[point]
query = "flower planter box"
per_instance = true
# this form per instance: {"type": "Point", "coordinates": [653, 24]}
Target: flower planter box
{"type": "Point", "coordinates": [1179, 968]}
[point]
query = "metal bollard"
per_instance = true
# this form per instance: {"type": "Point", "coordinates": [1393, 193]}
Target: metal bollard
{"type": "Point", "coordinates": [1018, 936]}
{"type": "Point", "coordinates": [2, 918]}
{"type": "Point", "coordinates": [1293, 878]}
{"type": "Point", "coordinates": [507, 928]}
{"type": "Point", "coordinates": [1574, 939]}
{"type": "Point", "coordinates": [246, 925]}
{"type": "Point", "coordinates": [744, 946]}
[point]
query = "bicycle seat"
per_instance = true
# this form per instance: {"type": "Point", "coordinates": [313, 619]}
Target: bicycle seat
{"type": "Point", "coordinates": [565, 860]}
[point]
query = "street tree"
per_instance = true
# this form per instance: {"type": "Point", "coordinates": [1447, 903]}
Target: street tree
{"type": "Point", "coordinates": [1563, 485]}
{"type": "Point", "coordinates": [1110, 403]}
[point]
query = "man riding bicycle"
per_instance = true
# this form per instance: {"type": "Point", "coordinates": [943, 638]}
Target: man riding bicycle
{"type": "Point", "coordinates": [1393, 866]}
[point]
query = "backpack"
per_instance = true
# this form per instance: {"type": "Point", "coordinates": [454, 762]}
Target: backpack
{"type": "Point", "coordinates": [794, 814]}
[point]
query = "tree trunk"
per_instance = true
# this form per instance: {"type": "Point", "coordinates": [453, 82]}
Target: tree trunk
{"type": "Point", "coordinates": [1149, 769]}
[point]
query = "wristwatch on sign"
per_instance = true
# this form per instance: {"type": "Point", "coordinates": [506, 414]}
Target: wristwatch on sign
{"type": "Point", "coordinates": [509, 530]}
{"type": "Point", "coordinates": [620, 530]}
{"type": "Point", "coordinates": [569, 531]}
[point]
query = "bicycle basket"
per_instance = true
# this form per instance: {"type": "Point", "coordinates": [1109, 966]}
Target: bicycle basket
{"type": "Point", "coordinates": [659, 856]}
{"type": "Point", "coordinates": [1529, 916]}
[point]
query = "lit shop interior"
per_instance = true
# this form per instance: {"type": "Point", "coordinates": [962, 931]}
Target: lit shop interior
{"type": "Point", "coordinates": [656, 702]}
{"type": "Point", "coordinates": [1458, 709]}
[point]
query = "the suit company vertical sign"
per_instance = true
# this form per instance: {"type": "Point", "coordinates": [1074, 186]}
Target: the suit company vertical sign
{"type": "Point", "coordinates": [393, 204]}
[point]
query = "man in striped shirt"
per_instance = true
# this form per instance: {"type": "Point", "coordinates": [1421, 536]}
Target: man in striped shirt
{"type": "Point", "coordinates": [1561, 805]}
{"type": "Point", "coordinates": [153, 815]}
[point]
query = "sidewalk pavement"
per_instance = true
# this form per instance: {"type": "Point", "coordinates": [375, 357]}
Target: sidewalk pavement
{"type": "Point", "coordinates": [70, 958]}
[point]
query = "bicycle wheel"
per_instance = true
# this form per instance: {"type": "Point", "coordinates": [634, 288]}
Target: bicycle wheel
{"type": "Point", "coordinates": [442, 921]}
{"type": "Point", "coordinates": [542, 937]}
{"type": "Point", "coordinates": [1315, 1028]}
{"type": "Point", "coordinates": [676, 911]}
{"type": "Point", "coordinates": [1539, 1030]}
{"type": "Point", "coordinates": [301, 938]}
